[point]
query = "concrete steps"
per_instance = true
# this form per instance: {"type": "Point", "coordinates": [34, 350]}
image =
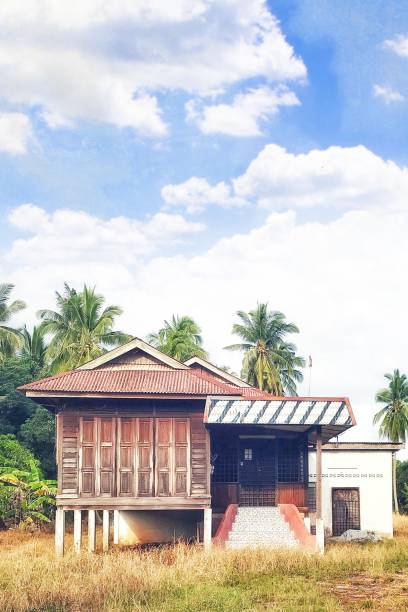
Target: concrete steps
{"type": "Point", "coordinates": [260, 526]}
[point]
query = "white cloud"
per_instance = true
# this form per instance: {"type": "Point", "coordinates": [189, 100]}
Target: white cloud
{"type": "Point", "coordinates": [339, 281]}
{"type": "Point", "coordinates": [71, 235]}
{"type": "Point", "coordinates": [196, 194]}
{"type": "Point", "coordinates": [102, 61]}
{"type": "Point", "coordinates": [340, 177]}
{"type": "Point", "coordinates": [244, 116]}
{"type": "Point", "coordinates": [387, 94]}
{"type": "Point", "coordinates": [398, 45]}
{"type": "Point", "coordinates": [15, 133]}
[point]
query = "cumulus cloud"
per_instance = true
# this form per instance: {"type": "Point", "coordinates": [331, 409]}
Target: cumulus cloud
{"type": "Point", "coordinates": [70, 235]}
{"type": "Point", "coordinates": [104, 62]}
{"type": "Point", "coordinates": [15, 133]}
{"type": "Point", "coordinates": [387, 94]}
{"type": "Point", "coordinates": [344, 177]}
{"type": "Point", "coordinates": [243, 117]}
{"type": "Point", "coordinates": [398, 45]}
{"type": "Point", "coordinates": [338, 281]}
{"type": "Point", "coordinates": [196, 194]}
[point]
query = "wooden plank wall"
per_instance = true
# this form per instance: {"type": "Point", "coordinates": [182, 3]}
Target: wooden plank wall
{"type": "Point", "coordinates": [67, 453]}
{"type": "Point", "coordinates": [106, 456]}
{"type": "Point", "coordinates": [200, 457]}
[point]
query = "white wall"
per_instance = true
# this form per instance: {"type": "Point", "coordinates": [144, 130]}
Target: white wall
{"type": "Point", "coordinates": [371, 472]}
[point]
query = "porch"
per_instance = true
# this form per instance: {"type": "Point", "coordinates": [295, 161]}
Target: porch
{"type": "Point", "coordinates": [250, 467]}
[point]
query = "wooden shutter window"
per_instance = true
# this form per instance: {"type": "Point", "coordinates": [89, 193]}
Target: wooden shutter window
{"type": "Point", "coordinates": [88, 455]}
{"type": "Point", "coordinates": [163, 456]}
{"type": "Point", "coordinates": [106, 457]}
{"type": "Point", "coordinates": [145, 457]}
{"type": "Point", "coordinates": [181, 454]}
{"type": "Point", "coordinates": [126, 444]}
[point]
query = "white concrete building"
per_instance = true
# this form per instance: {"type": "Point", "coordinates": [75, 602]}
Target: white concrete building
{"type": "Point", "coordinates": [356, 486]}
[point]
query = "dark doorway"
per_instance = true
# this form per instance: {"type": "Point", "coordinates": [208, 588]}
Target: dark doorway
{"type": "Point", "coordinates": [345, 510]}
{"type": "Point", "coordinates": [257, 472]}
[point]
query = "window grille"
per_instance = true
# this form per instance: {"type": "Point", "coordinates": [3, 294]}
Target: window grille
{"type": "Point", "coordinates": [248, 454]}
{"type": "Point", "coordinates": [225, 464]}
{"type": "Point", "coordinates": [290, 461]}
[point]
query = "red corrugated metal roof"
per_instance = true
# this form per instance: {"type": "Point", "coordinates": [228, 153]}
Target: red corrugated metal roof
{"type": "Point", "coordinates": [168, 382]}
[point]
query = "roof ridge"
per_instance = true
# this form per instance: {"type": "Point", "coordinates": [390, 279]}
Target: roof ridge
{"type": "Point", "coordinates": [210, 378]}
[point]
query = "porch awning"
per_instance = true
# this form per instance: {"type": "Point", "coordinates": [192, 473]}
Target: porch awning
{"type": "Point", "coordinates": [334, 414]}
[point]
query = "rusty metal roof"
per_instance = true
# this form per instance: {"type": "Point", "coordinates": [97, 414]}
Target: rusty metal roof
{"type": "Point", "coordinates": [164, 382]}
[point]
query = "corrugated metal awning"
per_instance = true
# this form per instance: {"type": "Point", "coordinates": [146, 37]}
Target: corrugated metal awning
{"type": "Point", "coordinates": [300, 414]}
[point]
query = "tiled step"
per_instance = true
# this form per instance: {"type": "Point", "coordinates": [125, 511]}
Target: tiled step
{"type": "Point", "coordinates": [260, 526]}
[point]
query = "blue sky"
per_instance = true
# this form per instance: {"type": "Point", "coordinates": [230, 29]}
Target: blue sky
{"type": "Point", "coordinates": [246, 157]}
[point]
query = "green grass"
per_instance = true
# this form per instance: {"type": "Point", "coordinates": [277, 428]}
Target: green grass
{"type": "Point", "coordinates": [184, 578]}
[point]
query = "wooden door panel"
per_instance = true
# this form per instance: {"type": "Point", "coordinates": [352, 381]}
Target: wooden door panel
{"type": "Point", "coordinates": [87, 456]}
{"type": "Point", "coordinates": [106, 428]}
{"type": "Point", "coordinates": [126, 467]}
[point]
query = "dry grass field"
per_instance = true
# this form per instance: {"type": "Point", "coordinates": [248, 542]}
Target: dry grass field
{"type": "Point", "coordinates": [182, 577]}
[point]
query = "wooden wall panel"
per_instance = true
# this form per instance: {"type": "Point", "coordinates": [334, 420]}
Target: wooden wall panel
{"type": "Point", "coordinates": [292, 493]}
{"type": "Point", "coordinates": [126, 459]}
{"type": "Point", "coordinates": [87, 456]}
{"type": "Point", "coordinates": [144, 454]}
{"type": "Point", "coordinates": [199, 457]}
{"type": "Point", "coordinates": [67, 452]}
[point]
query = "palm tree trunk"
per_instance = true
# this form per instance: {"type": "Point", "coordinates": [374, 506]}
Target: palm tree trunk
{"type": "Point", "coordinates": [394, 483]}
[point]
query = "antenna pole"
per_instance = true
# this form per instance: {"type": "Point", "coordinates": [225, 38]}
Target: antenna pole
{"type": "Point", "coordinates": [310, 374]}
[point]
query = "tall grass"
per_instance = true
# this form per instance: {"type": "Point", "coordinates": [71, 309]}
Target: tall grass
{"type": "Point", "coordinates": [184, 577]}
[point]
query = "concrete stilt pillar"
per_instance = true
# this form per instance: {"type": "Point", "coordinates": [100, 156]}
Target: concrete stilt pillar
{"type": "Point", "coordinates": [105, 531]}
{"type": "Point", "coordinates": [59, 531]}
{"type": "Point", "coordinates": [207, 528]}
{"type": "Point", "coordinates": [116, 526]}
{"type": "Point", "coordinates": [91, 531]}
{"type": "Point", "coordinates": [77, 530]}
{"type": "Point", "coordinates": [320, 535]}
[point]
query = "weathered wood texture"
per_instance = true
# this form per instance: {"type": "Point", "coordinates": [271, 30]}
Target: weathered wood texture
{"type": "Point", "coordinates": [67, 453]}
{"type": "Point", "coordinates": [200, 457]}
{"type": "Point", "coordinates": [132, 456]}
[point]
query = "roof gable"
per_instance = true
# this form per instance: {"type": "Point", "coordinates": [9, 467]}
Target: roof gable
{"type": "Point", "coordinates": [132, 352]}
{"type": "Point", "coordinates": [210, 367]}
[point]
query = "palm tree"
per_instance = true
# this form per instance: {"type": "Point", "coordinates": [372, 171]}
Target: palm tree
{"type": "Point", "coordinates": [10, 338]}
{"type": "Point", "coordinates": [181, 339]}
{"type": "Point", "coordinates": [34, 348]}
{"type": "Point", "coordinates": [393, 417]}
{"type": "Point", "coordinates": [269, 362]}
{"type": "Point", "coordinates": [81, 328]}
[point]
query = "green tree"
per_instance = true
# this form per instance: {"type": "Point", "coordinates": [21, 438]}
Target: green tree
{"type": "Point", "coordinates": [393, 416]}
{"type": "Point", "coordinates": [10, 338]}
{"type": "Point", "coordinates": [34, 350]}
{"type": "Point", "coordinates": [30, 498]}
{"type": "Point", "coordinates": [38, 434]}
{"type": "Point", "coordinates": [15, 408]}
{"type": "Point", "coordinates": [13, 455]}
{"type": "Point", "coordinates": [270, 362]}
{"type": "Point", "coordinates": [402, 485]}
{"type": "Point", "coordinates": [180, 338]}
{"type": "Point", "coordinates": [81, 328]}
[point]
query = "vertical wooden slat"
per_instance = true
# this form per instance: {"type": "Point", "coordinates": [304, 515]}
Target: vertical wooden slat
{"type": "Point", "coordinates": [200, 457]}
{"type": "Point", "coordinates": [67, 452]}
{"type": "Point", "coordinates": [144, 457]}
{"type": "Point", "coordinates": [88, 457]}
{"type": "Point", "coordinates": [105, 457]}
{"type": "Point", "coordinates": [164, 467]}
{"type": "Point", "coordinates": [181, 460]}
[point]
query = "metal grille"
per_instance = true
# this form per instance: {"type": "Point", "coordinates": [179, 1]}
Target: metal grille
{"type": "Point", "coordinates": [290, 461]}
{"type": "Point", "coordinates": [225, 465]}
{"type": "Point", "coordinates": [257, 495]}
{"type": "Point", "coordinates": [346, 510]}
{"type": "Point", "coordinates": [311, 497]}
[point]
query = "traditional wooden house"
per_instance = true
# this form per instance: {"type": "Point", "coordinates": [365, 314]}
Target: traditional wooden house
{"type": "Point", "coordinates": [176, 449]}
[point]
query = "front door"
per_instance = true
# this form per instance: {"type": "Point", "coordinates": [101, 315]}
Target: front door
{"type": "Point", "coordinates": [345, 510]}
{"type": "Point", "coordinates": [257, 472]}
